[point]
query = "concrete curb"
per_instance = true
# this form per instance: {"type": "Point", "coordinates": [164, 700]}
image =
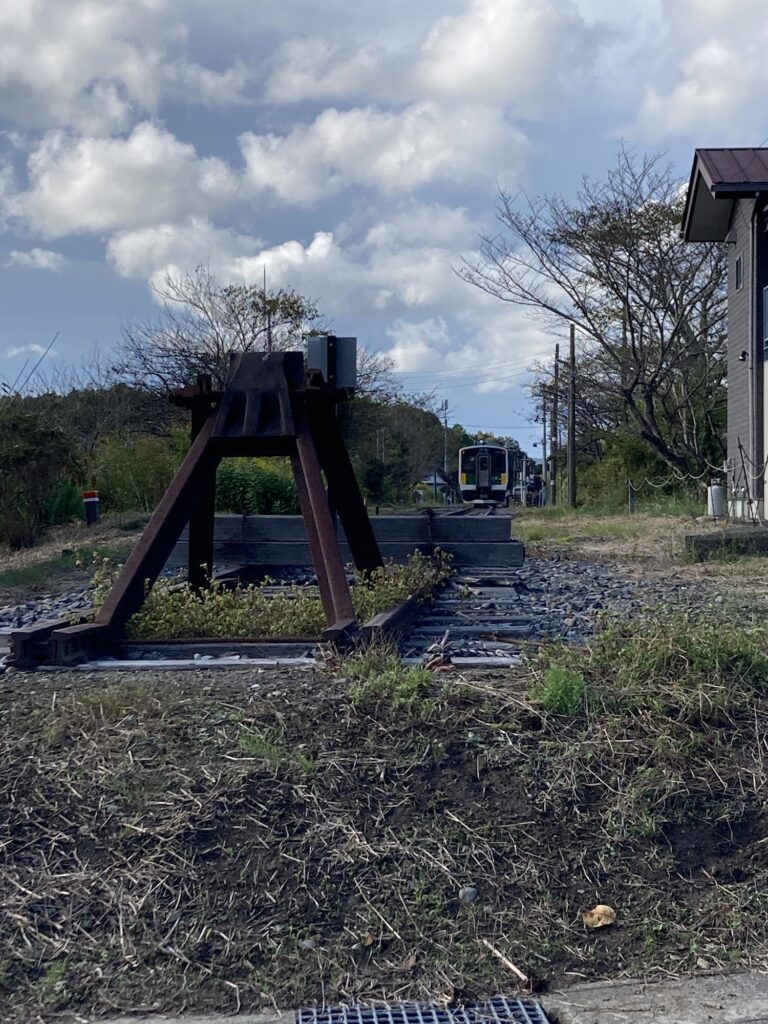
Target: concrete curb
{"type": "Point", "coordinates": [714, 999]}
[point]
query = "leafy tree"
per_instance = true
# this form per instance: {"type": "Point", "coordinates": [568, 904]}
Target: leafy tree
{"type": "Point", "coordinates": [650, 309]}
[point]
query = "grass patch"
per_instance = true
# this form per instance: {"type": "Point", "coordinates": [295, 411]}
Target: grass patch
{"type": "Point", "coordinates": [269, 745]}
{"type": "Point", "coordinates": [173, 610]}
{"type": "Point", "coordinates": [698, 669]}
{"type": "Point", "coordinates": [37, 573]}
{"type": "Point", "coordinates": [379, 676]}
{"type": "Point", "coordinates": [562, 690]}
{"type": "Point", "coordinates": [594, 533]}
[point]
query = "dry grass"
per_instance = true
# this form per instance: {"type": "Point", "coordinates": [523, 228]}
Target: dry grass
{"type": "Point", "coordinates": [193, 843]}
{"type": "Point", "coordinates": [651, 539]}
{"type": "Point", "coordinates": [75, 535]}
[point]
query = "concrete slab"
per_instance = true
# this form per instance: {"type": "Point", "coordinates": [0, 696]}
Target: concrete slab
{"type": "Point", "coordinates": [720, 999]}
{"type": "Point", "coordinates": [731, 541]}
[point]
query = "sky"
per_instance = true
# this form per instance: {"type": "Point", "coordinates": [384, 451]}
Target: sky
{"type": "Point", "coordinates": [355, 149]}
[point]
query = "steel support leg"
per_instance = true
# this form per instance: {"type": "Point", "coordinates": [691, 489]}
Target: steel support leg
{"type": "Point", "coordinates": [348, 500]}
{"type": "Point", "coordinates": [322, 539]}
{"type": "Point", "coordinates": [147, 559]}
{"type": "Point", "coordinates": [203, 517]}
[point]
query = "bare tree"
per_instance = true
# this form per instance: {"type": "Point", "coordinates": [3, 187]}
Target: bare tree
{"type": "Point", "coordinates": [202, 322]}
{"type": "Point", "coordinates": [650, 309]}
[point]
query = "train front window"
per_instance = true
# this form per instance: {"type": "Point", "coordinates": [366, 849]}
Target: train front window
{"type": "Point", "coordinates": [498, 466]}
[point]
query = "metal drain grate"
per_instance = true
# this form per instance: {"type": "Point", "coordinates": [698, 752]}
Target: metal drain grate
{"type": "Point", "coordinates": [498, 1010]}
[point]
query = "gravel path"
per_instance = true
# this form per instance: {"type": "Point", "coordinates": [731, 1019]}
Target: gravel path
{"type": "Point", "coordinates": [548, 598]}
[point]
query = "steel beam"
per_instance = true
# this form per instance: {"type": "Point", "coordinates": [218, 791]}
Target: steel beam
{"type": "Point", "coordinates": [323, 542]}
{"type": "Point", "coordinates": [337, 466]}
{"type": "Point", "coordinates": [147, 559]}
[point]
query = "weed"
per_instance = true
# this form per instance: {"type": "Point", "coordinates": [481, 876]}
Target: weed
{"type": "Point", "coordinates": [52, 989]}
{"type": "Point", "coordinates": [176, 610]}
{"type": "Point", "coordinates": [270, 745]}
{"type": "Point", "coordinates": [263, 745]}
{"type": "Point", "coordinates": [379, 675]}
{"type": "Point", "coordinates": [562, 690]}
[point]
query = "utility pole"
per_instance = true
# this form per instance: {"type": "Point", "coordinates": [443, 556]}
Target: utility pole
{"type": "Point", "coordinates": [572, 421]}
{"type": "Point", "coordinates": [553, 432]}
{"type": "Point", "coordinates": [544, 491]}
{"type": "Point", "coordinates": [445, 438]}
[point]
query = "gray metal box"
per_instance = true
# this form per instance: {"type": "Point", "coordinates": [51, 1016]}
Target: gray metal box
{"type": "Point", "coordinates": [335, 358]}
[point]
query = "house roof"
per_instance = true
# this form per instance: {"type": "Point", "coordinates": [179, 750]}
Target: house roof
{"type": "Point", "coordinates": [718, 178]}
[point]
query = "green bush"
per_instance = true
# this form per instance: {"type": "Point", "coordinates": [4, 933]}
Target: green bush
{"type": "Point", "coordinates": [132, 473]}
{"type": "Point", "coordinates": [66, 504]}
{"type": "Point", "coordinates": [603, 484]}
{"type": "Point", "coordinates": [256, 487]}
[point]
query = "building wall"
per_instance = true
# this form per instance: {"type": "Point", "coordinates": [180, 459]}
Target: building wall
{"type": "Point", "coordinates": [739, 334]}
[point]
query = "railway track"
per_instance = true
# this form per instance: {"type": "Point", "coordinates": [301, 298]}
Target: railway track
{"type": "Point", "coordinates": [476, 619]}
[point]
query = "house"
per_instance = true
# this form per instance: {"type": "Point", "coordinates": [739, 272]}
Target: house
{"type": "Point", "coordinates": [727, 201]}
{"type": "Point", "coordinates": [430, 486]}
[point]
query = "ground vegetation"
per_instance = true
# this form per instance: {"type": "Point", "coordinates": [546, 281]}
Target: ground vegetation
{"type": "Point", "coordinates": [366, 831]}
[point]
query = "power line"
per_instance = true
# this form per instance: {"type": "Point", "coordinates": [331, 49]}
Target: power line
{"type": "Point", "coordinates": [486, 380]}
{"type": "Point", "coordinates": [463, 370]}
{"type": "Point", "coordinates": [501, 426]}
{"type": "Point", "coordinates": [515, 364]}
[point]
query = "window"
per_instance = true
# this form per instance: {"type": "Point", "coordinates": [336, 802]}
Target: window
{"type": "Point", "coordinates": [739, 274]}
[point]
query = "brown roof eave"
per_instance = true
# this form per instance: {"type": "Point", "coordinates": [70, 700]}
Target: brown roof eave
{"type": "Point", "coordinates": [700, 218]}
{"type": "Point", "coordinates": [685, 228]}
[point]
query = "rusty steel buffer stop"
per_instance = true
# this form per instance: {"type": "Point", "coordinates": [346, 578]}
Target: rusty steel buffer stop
{"type": "Point", "coordinates": [274, 404]}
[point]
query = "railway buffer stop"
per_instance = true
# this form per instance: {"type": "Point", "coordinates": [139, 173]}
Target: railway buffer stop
{"type": "Point", "coordinates": [272, 405]}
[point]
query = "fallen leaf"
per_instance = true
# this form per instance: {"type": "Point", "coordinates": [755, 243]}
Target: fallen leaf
{"type": "Point", "coordinates": [599, 916]}
{"type": "Point", "coordinates": [410, 961]}
{"type": "Point", "coordinates": [368, 939]}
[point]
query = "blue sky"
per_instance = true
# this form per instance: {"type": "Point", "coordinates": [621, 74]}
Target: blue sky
{"type": "Point", "coordinates": [353, 148]}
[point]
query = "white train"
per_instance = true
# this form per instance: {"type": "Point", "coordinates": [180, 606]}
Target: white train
{"type": "Point", "coordinates": [484, 473]}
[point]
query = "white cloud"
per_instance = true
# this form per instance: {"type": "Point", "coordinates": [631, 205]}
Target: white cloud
{"type": "Point", "coordinates": [421, 345]}
{"type": "Point", "coordinates": [20, 350]}
{"type": "Point", "coordinates": [423, 143]}
{"type": "Point", "coordinates": [152, 252]}
{"type": "Point", "coordinates": [506, 51]}
{"type": "Point", "coordinates": [484, 351]}
{"type": "Point", "coordinates": [517, 52]}
{"type": "Point", "coordinates": [94, 66]}
{"type": "Point", "coordinates": [314, 68]}
{"type": "Point", "coordinates": [36, 259]}
{"type": "Point", "coordinates": [404, 262]}
{"type": "Point", "coordinates": [400, 272]}
{"type": "Point", "coordinates": [432, 224]}
{"type": "Point", "coordinates": [706, 73]}
{"type": "Point", "coordinates": [100, 185]}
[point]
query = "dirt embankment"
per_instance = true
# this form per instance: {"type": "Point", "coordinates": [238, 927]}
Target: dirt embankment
{"type": "Point", "coordinates": [227, 841]}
